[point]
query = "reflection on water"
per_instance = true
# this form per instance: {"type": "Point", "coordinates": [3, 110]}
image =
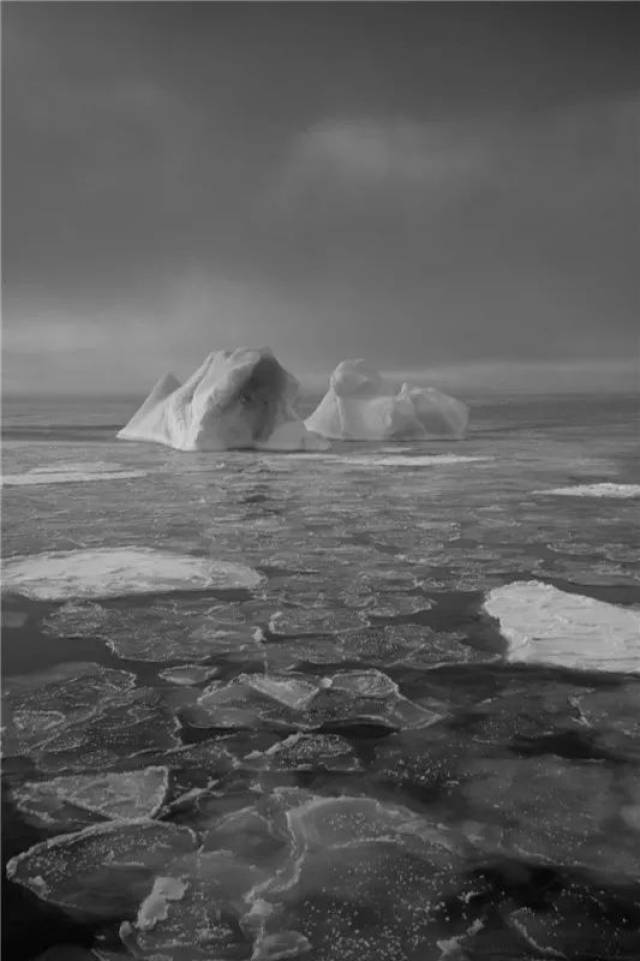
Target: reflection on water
{"type": "Point", "coordinates": [335, 758]}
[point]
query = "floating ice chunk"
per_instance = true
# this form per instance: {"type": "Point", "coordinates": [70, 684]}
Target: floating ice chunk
{"type": "Point", "coordinates": [312, 752]}
{"type": "Point", "coordinates": [359, 405]}
{"type": "Point", "coordinates": [188, 674]}
{"type": "Point", "coordinates": [155, 906]}
{"type": "Point", "coordinates": [236, 399]}
{"type": "Point", "coordinates": [71, 474]}
{"type": "Point", "coordinates": [120, 571]}
{"type": "Point", "coordinates": [114, 796]}
{"type": "Point", "coordinates": [103, 871]}
{"type": "Point", "coordinates": [545, 625]}
{"type": "Point", "coordinates": [119, 727]}
{"type": "Point", "coordinates": [622, 491]}
{"type": "Point", "coordinates": [40, 706]}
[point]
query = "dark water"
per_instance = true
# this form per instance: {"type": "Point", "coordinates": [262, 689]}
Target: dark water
{"type": "Point", "coordinates": [530, 772]}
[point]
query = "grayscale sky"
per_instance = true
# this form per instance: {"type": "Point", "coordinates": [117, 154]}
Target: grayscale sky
{"type": "Point", "coordinates": [425, 185]}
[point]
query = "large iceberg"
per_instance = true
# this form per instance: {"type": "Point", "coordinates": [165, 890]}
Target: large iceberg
{"type": "Point", "coordinates": [360, 405]}
{"type": "Point", "coordinates": [235, 400]}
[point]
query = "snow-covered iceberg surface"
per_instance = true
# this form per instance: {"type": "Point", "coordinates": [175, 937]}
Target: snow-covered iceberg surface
{"type": "Point", "coordinates": [237, 399]}
{"type": "Point", "coordinates": [117, 572]}
{"type": "Point", "coordinates": [544, 625]}
{"type": "Point", "coordinates": [360, 405]}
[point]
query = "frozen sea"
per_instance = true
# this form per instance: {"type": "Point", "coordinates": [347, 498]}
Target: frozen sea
{"type": "Point", "coordinates": [379, 704]}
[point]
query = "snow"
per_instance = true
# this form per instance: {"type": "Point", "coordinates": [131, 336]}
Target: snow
{"type": "Point", "coordinates": [117, 572]}
{"type": "Point", "coordinates": [596, 490]}
{"type": "Point", "coordinates": [544, 625]}
{"type": "Point", "coordinates": [360, 405]}
{"type": "Point", "coordinates": [235, 400]}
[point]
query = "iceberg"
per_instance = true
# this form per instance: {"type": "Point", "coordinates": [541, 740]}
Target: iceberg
{"type": "Point", "coordinates": [360, 405]}
{"type": "Point", "coordinates": [241, 399]}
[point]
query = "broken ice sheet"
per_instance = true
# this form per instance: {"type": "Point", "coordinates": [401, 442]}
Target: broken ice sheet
{"type": "Point", "coordinates": [297, 702]}
{"type": "Point", "coordinates": [37, 706]}
{"type": "Point", "coordinates": [162, 631]}
{"type": "Point", "coordinates": [119, 728]}
{"type": "Point", "coordinates": [78, 799]}
{"type": "Point", "coordinates": [104, 871]}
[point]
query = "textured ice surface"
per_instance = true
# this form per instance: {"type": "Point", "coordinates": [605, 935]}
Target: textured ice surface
{"type": "Point", "coordinates": [117, 572]}
{"type": "Point", "coordinates": [545, 625]}
{"type": "Point", "coordinates": [596, 490]}
{"type": "Point", "coordinates": [114, 796]}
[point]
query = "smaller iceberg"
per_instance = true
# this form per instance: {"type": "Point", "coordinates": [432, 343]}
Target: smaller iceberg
{"type": "Point", "coordinates": [361, 405]}
{"type": "Point", "coordinates": [241, 399]}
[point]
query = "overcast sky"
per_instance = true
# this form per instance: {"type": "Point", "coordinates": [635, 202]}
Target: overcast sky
{"type": "Point", "coordinates": [420, 184]}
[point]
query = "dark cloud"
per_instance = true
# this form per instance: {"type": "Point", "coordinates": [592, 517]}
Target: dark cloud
{"type": "Point", "coordinates": [422, 183]}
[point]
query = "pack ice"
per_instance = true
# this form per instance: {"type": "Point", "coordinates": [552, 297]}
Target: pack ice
{"type": "Point", "coordinates": [360, 405]}
{"type": "Point", "coordinates": [235, 400]}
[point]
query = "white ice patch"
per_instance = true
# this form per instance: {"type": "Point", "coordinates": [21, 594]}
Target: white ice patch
{"type": "Point", "coordinates": [71, 473]}
{"type": "Point", "coordinates": [117, 572]}
{"type": "Point", "coordinates": [418, 460]}
{"type": "Point", "coordinates": [544, 625]}
{"type": "Point", "coordinates": [390, 460]}
{"type": "Point", "coordinates": [622, 491]}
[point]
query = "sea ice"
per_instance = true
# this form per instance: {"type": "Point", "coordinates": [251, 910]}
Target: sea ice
{"type": "Point", "coordinates": [607, 489]}
{"type": "Point", "coordinates": [103, 871]}
{"type": "Point", "coordinates": [236, 399]}
{"type": "Point", "coordinates": [115, 796]}
{"type": "Point", "coordinates": [359, 405]}
{"type": "Point", "coordinates": [544, 625]}
{"type": "Point", "coordinates": [117, 572]}
{"type": "Point", "coordinates": [71, 473]}
{"type": "Point", "coordinates": [37, 707]}
{"type": "Point", "coordinates": [547, 809]}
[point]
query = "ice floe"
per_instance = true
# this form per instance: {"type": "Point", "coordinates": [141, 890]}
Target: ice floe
{"type": "Point", "coordinates": [346, 700]}
{"type": "Point", "coordinates": [544, 625]}
{"type": "Point", "coordinates": [607, 489]}
{"type": "Point", "coordinates": [102, 871]}
{"type": "Point", "coordinates": [37, 707]}
{"type": "Point", "coordinates": [112, 796]}
{"type": "Point", "coordinates": [550, 810]}
{"type": "Point", "coordinates": [194, 629]}
{"type": "Point", "coordinates": [115, 572]}
{"type": "Point", "coordinates": [72, 474]}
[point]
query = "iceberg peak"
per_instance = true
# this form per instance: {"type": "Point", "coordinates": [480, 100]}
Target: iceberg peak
{"type": "Point", "coordinates": [235, 400]}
